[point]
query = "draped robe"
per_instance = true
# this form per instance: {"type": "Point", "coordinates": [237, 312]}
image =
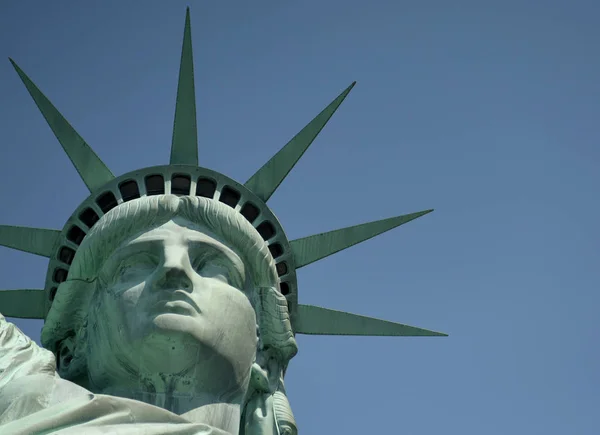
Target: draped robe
{"type": "Point", "coordinates": [35, 400]}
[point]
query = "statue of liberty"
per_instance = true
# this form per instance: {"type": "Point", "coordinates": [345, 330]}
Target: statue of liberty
{"type": "Point", "coordinates": [171, 301]}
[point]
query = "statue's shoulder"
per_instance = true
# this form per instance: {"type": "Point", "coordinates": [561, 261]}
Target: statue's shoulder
{"type": "Point", "coordinates": [28, 379]}
{"type": "Point", "coordinates": [20, 356]}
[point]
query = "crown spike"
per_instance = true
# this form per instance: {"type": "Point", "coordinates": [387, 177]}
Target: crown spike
{"type": "Point", "coordinates": [39, 241]}
{"type": "Point", "coordinates": [23, 304]}
{"type": "Point", "coordinates": [268, 178]}
{"type": "Point", "coordinates": [314, 320]}
{"type": "Point", "coordinates": [91, 169]}
{"type": "Point", "coordinates": [313, 248]}
{"type": "Point", "coordinates": [184, 148]}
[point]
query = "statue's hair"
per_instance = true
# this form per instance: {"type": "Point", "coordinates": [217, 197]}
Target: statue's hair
{"type": "Point", "coordinates": [139, 215]}
{"type": "Point", "coordinates": [276, 340]}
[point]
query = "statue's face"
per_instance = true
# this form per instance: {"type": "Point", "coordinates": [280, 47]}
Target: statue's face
{"type": "Point", "coordinates": [176, 297]}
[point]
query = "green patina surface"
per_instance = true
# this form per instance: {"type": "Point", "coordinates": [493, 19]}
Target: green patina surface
{"type": "Point", "coordinates": [120, 357]}
{"type": "Point", "coordinates": [266, 180]}
{"type": "Point", "coordinates": [92, 170]}
{"type": "Point", "coordinates": [184, 149]}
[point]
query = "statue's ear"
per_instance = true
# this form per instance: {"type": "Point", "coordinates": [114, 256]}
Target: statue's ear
{"type": "Point", "coordinates": [71, 362]}
{"type": "Point", "coordinates": [65, 354]}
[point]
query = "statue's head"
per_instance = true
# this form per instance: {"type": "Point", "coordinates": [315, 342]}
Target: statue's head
{"type": "Point", "coordinates": [177, 287]}
{"type": "Point", "coordinates": [148, 291]}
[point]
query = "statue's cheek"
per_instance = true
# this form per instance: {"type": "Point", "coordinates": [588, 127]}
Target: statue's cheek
{"type": "Point", "coordinates": [121, 300]}
{"type": "Point", "coordinates": [123, 306]}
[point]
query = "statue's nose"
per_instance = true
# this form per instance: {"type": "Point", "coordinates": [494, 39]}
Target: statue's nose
{"type": "Point", "coordinates": [174, 276]}
{"type": "Point", "coordinates": [175, 273]}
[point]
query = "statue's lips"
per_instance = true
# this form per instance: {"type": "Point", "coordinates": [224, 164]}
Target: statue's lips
{"type": "Point", "coordinates": [179, 299]}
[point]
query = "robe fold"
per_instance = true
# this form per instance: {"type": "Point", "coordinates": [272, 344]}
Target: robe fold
{"type": "Point", "coordinates": [35, 400]}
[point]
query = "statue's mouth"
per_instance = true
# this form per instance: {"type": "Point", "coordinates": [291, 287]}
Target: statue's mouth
{"type": "Point", "coordinates": [176, 301]}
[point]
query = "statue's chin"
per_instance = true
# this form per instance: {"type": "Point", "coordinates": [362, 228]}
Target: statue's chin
{"type": "Point", "coordinates": [179, 349]}
{"type": "Point", "coordinates": [172, 345]}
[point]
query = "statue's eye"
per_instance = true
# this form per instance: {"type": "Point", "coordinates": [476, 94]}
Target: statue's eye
{"type": "Point", "coordinates": [202, 260]}
{"type": "Point", "coordinates": [214, 267]}
{"type": "Point", "coordinates": [138, 264]}
{"type": "Point", "coordinates": [217, 272]}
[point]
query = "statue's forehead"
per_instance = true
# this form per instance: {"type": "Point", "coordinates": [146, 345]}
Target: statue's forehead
{"type": "Point", "coordinates": [175, 228]}
{"type": "Point", "coordinates": [180, 231]}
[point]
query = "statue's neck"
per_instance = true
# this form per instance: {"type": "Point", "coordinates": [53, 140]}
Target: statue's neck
{"type": "Point", "coordinates": [198, 390]}
{"type": "Point", "coordinates": [195, 407]}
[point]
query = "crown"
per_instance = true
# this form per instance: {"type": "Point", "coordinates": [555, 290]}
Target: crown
{"type": "Point", "coordinates": [183, 176]}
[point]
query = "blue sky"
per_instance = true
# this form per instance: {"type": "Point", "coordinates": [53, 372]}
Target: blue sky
{"type": "Point", "coordinates": [485, 111]}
